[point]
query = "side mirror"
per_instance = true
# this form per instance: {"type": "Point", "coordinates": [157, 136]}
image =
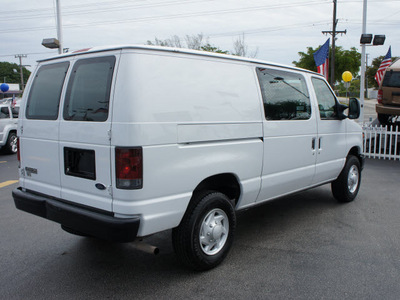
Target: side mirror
{"type": "Point", "coordinates": [340, 108]}
{"type": "Point", "coordinates": [354, 108]}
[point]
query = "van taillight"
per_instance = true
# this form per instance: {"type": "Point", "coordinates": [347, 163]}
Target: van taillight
{"type": "Point", "coordinates": [18, 151]}
{"type": "Point", "coordinates": [129, 168]}
{"type": "Point", "coordinates": [380, 94]}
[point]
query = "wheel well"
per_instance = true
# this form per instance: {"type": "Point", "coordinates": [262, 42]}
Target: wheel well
{"type": "Point", "coordinates": [356, 151]}
{"type": "Point", "coordinates": [225, 183]}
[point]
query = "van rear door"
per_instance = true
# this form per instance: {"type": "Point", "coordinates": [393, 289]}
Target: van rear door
{"type": "Point", "coordinates": [39, 131]}
{"type": "Point", "coordinates": [85, 131]}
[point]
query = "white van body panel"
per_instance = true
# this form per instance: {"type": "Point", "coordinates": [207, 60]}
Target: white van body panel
{"type": "Point", "coordinates": [168, 186]}
{"type": "Point", "coordinates": [178, 134]}
{"type": "Point", "coordinates": [94, 136]}
{"type": "Point", "coordinates": [331, 135]}
{"type": "Point", "coordinates": [289, 160]}
{"type": "Point", "coordinates": [40, 146]}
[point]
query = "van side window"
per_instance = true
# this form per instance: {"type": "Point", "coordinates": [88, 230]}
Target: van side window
{"type": "Point", "coordinates": [44, 97]}
{"type": "Point", "coordinates": [326, 100]}
{"type": "Point", "coordinates": [88, 92]}
{"type": "Point", "coordinates": [285, 95]}
{"type": "Point", "coordinates": [4, 113]}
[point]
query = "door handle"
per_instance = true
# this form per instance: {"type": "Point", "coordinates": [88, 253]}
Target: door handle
{"type": "Point", "coordinates": [313, 141]}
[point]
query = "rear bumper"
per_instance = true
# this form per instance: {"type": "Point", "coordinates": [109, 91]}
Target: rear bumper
{"type": "Point", "coordinates": [387, 109]}
{"type": "Point", "coordinates": [92, 223]}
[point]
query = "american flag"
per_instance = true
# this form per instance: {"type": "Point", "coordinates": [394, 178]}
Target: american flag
{"type": "Point", "coordinates": [386, 62]}
{"type": "Point", "coordinates": [321, 59]}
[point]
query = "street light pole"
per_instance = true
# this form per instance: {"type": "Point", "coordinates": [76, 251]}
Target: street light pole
{"type": "Point", "coordinates": [366, 79]}
{"type": "Point", "coordinates": [362, 79]}
{"type": "Point", "coordinates": [59, 31]}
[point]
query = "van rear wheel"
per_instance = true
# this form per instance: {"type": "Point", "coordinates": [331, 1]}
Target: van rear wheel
{"type": "Point", "coordinates": [346, 186]}
{"type": "Point", "coordinates": [206, 232]}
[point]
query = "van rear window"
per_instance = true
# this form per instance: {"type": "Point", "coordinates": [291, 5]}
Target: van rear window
{"type": "Point", "coordinates": [88, 91]}
{"type": "Point", "coordinates": [391, 79]}
{"type": "Point", "coordinates": [44, 96]}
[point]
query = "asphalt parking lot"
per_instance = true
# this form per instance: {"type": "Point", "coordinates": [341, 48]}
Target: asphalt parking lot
{"type": "Point", "coordinates": [305, 246]}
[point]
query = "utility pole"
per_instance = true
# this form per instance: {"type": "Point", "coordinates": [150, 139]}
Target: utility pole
{"type": "Point", "coordinates": [20, 56]}
{"type": "Point", "coordinates": [333, 32]}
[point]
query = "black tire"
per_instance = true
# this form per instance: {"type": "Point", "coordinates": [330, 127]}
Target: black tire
{"type": "Point", "coordinates": [11, 145]}
{"type": "Point", "coordinates": [73, 231]}
{"type": "Point", "coordinates": [210, 215]}
{"type": "Point", "coordinates": [345, 187]}
{"type": "Point", "coordinates": [383, 119]}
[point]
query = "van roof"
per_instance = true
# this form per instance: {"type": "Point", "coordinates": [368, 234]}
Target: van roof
{"type": "Point", "coordinates": [174, 50]}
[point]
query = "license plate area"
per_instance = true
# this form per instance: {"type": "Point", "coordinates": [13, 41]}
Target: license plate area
{"type": "Point", "coordinates": [80, 163]}
{"type": "Point", "coordinates": [396, 98]}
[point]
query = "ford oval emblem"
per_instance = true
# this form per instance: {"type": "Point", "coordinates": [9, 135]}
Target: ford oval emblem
{"type": "Point", "coordinates": [100, 186]}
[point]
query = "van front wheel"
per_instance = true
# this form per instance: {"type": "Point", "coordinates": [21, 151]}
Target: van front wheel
{"type": "Point", "coordinates": [346, 186]}
{"type": "Point", "coordinates": [205, 235]}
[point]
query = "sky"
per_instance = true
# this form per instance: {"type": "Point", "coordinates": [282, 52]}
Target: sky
{"type": "Point", "coordinates": [276, 29]}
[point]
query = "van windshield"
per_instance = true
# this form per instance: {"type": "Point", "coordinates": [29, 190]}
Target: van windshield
{"type": "Point", "coordinates": [392, 79]}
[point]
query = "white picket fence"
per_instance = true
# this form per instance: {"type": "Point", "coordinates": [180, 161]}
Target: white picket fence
{"type": "Point", "coordinates": [382, 142]}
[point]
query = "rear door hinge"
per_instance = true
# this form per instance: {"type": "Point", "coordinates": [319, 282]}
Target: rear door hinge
{"type": "Point", "coordinates": [110, 191]}
{"type": "Point", "coordinates": [109, 134]}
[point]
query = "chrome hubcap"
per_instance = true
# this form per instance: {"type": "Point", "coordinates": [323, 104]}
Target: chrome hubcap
{"type": "Point", "coordinates": [352, 179]}
{"type": "Point", "coordinates": [214, 231]}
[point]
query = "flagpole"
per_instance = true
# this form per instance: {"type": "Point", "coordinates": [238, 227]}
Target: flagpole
{"type": "Point", "coordinates": [362, 79]}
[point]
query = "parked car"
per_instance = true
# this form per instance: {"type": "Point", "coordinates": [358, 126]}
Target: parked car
{"type": "Point", "coordinates": [388, 107]}
{"type": "Point", "coordinates": [120, 143]}
{"type": "Point", "coordinates": [8, 128]}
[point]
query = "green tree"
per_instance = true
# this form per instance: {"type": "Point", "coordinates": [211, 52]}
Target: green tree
{"type": "Point", "coordinates": [9, 72]}
{"type": "Point", "coordinates": [209, 48]}
{"type": "Point", "coordinates": [345, 60]}
{"type": "Point", "coordinates": [371, 70]}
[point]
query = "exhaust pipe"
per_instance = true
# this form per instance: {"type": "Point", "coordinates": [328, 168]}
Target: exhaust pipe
{"type": "Point", "coordinates": [142, 246]}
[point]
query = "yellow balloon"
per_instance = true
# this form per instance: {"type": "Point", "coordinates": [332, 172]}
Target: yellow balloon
{"type": "Point", "coordinates": [347, 76]}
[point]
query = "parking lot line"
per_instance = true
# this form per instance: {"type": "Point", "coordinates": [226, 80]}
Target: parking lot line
{"type": "Point", "coordinates": [8, 182]}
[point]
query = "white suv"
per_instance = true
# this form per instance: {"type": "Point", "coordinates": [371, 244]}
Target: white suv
{"type": "Point", "coordinates": [8, 128]}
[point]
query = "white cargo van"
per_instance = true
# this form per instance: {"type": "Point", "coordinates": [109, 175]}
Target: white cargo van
{"type": "Point", "coordinates": [122, 142]}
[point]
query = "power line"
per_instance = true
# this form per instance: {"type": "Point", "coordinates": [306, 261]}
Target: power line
{"type": "Point", "coordinates": [30, 54]}
{"type": "Point", "coordinates": [268, 29]}
{"type": "Point", "coordinates": [173, 16]}
{"type": "Point", "coordinates": [97, 9]}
